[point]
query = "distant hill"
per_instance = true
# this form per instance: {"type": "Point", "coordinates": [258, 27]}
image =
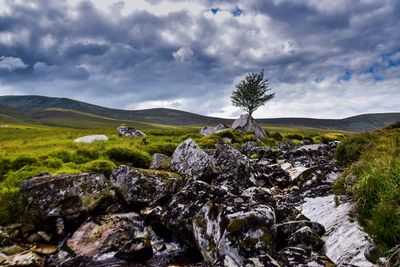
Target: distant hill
{"type": "Point", "coordinates": [73, 113]}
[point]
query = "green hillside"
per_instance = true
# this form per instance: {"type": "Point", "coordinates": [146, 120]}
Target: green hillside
{"type": "Point", "coordinates": [71, 113]}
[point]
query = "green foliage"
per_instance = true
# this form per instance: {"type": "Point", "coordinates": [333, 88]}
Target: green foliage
{"type": "Point", "coordinates": [99, 166]}
{"type": "Point", "coordinates": [130, 156]}
{"type": "Point", "coordinates": [5, 166]}
{"type": "Point", "coordinates": [21, 161]}
{"type": "Point", "coordinates": [350, 149]}
{"type": "Point", "coordinates": [374, 181]}
{"type": "Point", "coordinates": [276, 136]}
{"type": "Point", "coordinates": [251, 93]}
{"type": "Point", "coordinates": [84, 155]}
{"type": "Point", "coordinates": [294, 137]}
{"type": "Point", "coordinates": [164, 148]}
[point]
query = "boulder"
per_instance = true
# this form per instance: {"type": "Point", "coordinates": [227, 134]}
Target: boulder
{"type": "Point", "coordinates": [304, 232]}
{"type": "Point", "coordinates": [213, 130]}
{"type": "Point", "coordinates": [294, 256]}
{"type": "Point", "coordinates": [122, 234]}
{"type": "Point", "coordinates": [66, 195]}
{"type": "Point", "coordinates": [179, 212]}
{"type": "Point", "coordinates": [236, 227]}
{"type": "Point", "coordinates": [259, 261]}
{"type": "Point", "coordinates": [191, 161]}
{"type": "Point", "coordinates": [91, 138]}
{"type": "Point", "coordinates": [247, 124]}
{"type": "Point", "coordinates": [125, 131]}
{"type": "Point", "coordinates": [306, 238]}
{"type": "Point", "coordinates": [306, 141]}
{"type": "Point", "coordinates": [144, 187]}
{"type": "Point", "coordinates": [160, 162]}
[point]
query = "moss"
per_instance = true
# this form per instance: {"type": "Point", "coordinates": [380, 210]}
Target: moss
{"type": "Point", "coordinates": [130, 156]}
{"type": "Point", "coordinates": [235, 225]}
{"type": "Point", "coordinates": [99, 166]}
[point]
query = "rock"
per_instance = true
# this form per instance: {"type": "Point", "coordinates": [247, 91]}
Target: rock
{"type": "Point", "coordinates": [293, 256]}
{"type": "Point", "coordinates": [160, 162]}
{"type": "Point", "coordinates": [236, 227]}
{"type": "Point", "coordinates": [184, 205]}
{"type": "Point", "coordinates": [60, 227]}
{"type": "Point", "coordinates": [259, 261]}
{"type": "Point", "coordinates": [123, 234]}
{"type": "Point", "coordinates": [125, 131]}
{"type": "Point", "coordinates": [306, 141]}
{"type": "Point", "coordinates": [142, 188]}
{"type": "Point", "coordinates": [267, 175]}
{"type": "Point", "coordinates": [299, 172]}
{"type": "Point", "coordinates": [11, 250]}
{"type": "Point", "coordinates": [233, 168]}
{"type": "Point", "coordinates": [91, 138]}
{"type": "Point", "coordinates": [66, 195]}
{"type": "Point", "coordinates": [26, 258]}
{"type": "Point", "coordinates": [371, 253]}
{"type": "Point", "coordinates": [191, 161]}
{"type": "Point", "coordinates": [287, 146]}
{"type": "Point", "coordinates": [45, 249]}
{"type": "Point", "coordinates": [210, 130]}
{"type": "Point", "coordinates": [247, 124]}
{"type": "Point", "coordinates": [4, 260]}
{"type": "Point", "coordinates": [306, 238]}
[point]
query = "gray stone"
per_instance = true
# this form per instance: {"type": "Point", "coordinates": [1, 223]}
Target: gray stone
{"type": "Point", "coordinates": [248, 124]}
{"type": "Point", "coordinates": [125, 131]}
{"type": "Point", "coordinates": [91, 138]}
{"type": "Point", "coordinates": [160, 162]}
{"type": "Point", "coordinates": [191, 161]}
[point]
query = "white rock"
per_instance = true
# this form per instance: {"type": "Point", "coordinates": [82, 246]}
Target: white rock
{"type": "Point", "coordinates": [91, 138]}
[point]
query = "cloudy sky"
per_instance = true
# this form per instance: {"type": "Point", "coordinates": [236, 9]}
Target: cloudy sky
{"type": "Point", "coordinates": [324, 59]}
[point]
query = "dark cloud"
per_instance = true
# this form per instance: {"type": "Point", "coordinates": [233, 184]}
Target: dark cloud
{"type": "Point", "coordinates": [105, 52]}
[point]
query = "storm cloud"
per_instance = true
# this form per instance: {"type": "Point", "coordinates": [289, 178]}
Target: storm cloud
{"type": "Point", "coordinates": [323, 58]}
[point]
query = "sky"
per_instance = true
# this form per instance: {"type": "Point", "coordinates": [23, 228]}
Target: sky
{"type": "Point", "coordinates": [323, 58]}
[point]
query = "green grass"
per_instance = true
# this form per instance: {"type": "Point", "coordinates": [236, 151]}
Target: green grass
{"type": "Point", "coordinates": [374, 180]}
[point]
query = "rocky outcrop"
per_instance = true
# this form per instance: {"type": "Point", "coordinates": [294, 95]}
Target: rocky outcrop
{"type": "Point", "coordinates": [121, 234]}
{"type": "Point", "coordinates": [142, 188]}
{"type": "Point", "coordinates": [191, 161]}
{"type": "Point", "coordinates": [125, 131]}
{"type": "Point", "coordinates": [91, 138]}
{"type": "Point", "coordinates": [66, 196]}
{"type": "Point", "coordinates": [247, 124]}
{"type": "Point", "coordinates": [160, 162]}
{"type": "Point", "coordinates": [213, 130]}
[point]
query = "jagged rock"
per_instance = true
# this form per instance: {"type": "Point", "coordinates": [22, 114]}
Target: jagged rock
{"type": "Point", "coordinates": [306, 141]}
{"type": "Point", "coordinates": [259, 261]}
{"type": "Point", "coordinates": [191, 161]}
{"type": "Point", "coordinates": [371, 253]}
{"type": "Point", "coordinates": [260, 195]}
{"type": "Point", "coordinates": [233, 168]}
{"type": "Point", "coordinates": [91, 138]}
{"type": "Point", "coordinates": [287, 146]}
{"type": "Point", "coordinates": [124, 234]}
{"type": "Point", "coordinates": [294, 256]}
{"type": "Point", "coordinates": [26, 258]}
{"type": "Point", "coordinates": [213, 130]}
{"type": "Point", "coordinates": [306, 238]}
{"type": "Point", "coordinates": [269, 175]}
{"type": "Point", "coordinates": [144, 187]}
{"type": "Point", "coordinates": [247, 124]}
{"type": "Point", "coordinates": [236, 227]}
{"type": "Point", "coordinates": [184, 205]}
{"type": "Point", "coordinates": [160, 162]}
{"type": "Point", "coordinates": [299, 172]}
{"type": "Point", "coordinates": [125, 131]}
{"type": "Point", "coordinates": [66, 195]}
{"type": "Point", "coordinates": [303, 232]}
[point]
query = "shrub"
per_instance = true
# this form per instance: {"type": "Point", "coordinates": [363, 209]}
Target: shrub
{"type": "Point", "coordinates": [54, 163]}
{"type": "Point", "coordinates": [12, 207]}
{"type": "Point", "coordinates": [99, 166]}
{"type": "Point", "coordinates": [85, 155]}
{"type": "Point", "coordinates": [276, 136]}
{"type": "Point", "coordinates": [209, 141]}
{"type": "Point", "coordinates": [164, 148]}
{"type": "Point", "coordinates": [63, 155]}
{"type": "Point", "coordinates": [294, 137]}
{"type": "Point", "coordinates": [130, 156]}
{"type": "Point", "coordinates": [5, 166]}
{"type": "Point", "coordinates": [21, 161]}
{"type": "Point", "coordinates": [349, 150]}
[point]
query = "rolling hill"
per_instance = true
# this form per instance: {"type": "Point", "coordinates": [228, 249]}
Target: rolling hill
{"type": "Point", "coordinates": [72, 113]}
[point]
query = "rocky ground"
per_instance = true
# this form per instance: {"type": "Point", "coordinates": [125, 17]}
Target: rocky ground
{"type": "Point", "coordinates": [217, 207]}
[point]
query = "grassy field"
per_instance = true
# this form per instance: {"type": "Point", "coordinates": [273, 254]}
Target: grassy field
{"type": "Point", "coordinates": [373, 178]}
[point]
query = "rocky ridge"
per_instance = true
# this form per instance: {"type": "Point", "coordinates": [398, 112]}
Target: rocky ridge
{"type": "Point", "coordinates": [219, 207]}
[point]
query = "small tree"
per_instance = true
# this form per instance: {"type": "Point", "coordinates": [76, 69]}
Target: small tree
{"type": "Point", "coordinates": [251, 92]}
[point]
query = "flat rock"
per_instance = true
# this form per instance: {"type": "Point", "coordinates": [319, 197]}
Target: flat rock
{"type": "Point", "coordinates": [91, 138]}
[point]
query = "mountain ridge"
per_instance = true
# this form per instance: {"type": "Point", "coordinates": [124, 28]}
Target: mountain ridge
{"type": "Point", "coordinates": [34, 107]}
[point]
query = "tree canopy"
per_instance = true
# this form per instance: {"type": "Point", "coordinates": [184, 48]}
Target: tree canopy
{"type": "Point", "coordinates": [251, 92]}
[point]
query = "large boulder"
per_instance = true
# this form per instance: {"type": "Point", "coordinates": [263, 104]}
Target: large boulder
{"type": "Point", "coordinates": [66, 195]}
{"type": "Point", "coordinates": [125, 131]}
{"type": "Point", "coordinates": [248, 124]}
{"type": "Point", "coordinates": [179, 212]}
{"type": "Point", "coordinates": [191, 161]}
{"type": "Point", "coordinates": [236, 227]}
{"type": "Point", "coordinates": [122, 234]}
{"type": "Point", "coordinates": [160, 162]}
{"type": "Point", "coordinates": [91, 138]}
{"type": "Point", "coordinates": [144, 187]}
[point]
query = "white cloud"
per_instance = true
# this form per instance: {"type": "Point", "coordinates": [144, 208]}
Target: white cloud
{"type": "Point", "coordinates": [183, 54]}
{"type": "Point", "coordinates": [11, 63]}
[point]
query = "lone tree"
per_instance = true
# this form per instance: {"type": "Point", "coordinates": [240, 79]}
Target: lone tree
{"type": "Point", "coordinates": [251, 92]}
